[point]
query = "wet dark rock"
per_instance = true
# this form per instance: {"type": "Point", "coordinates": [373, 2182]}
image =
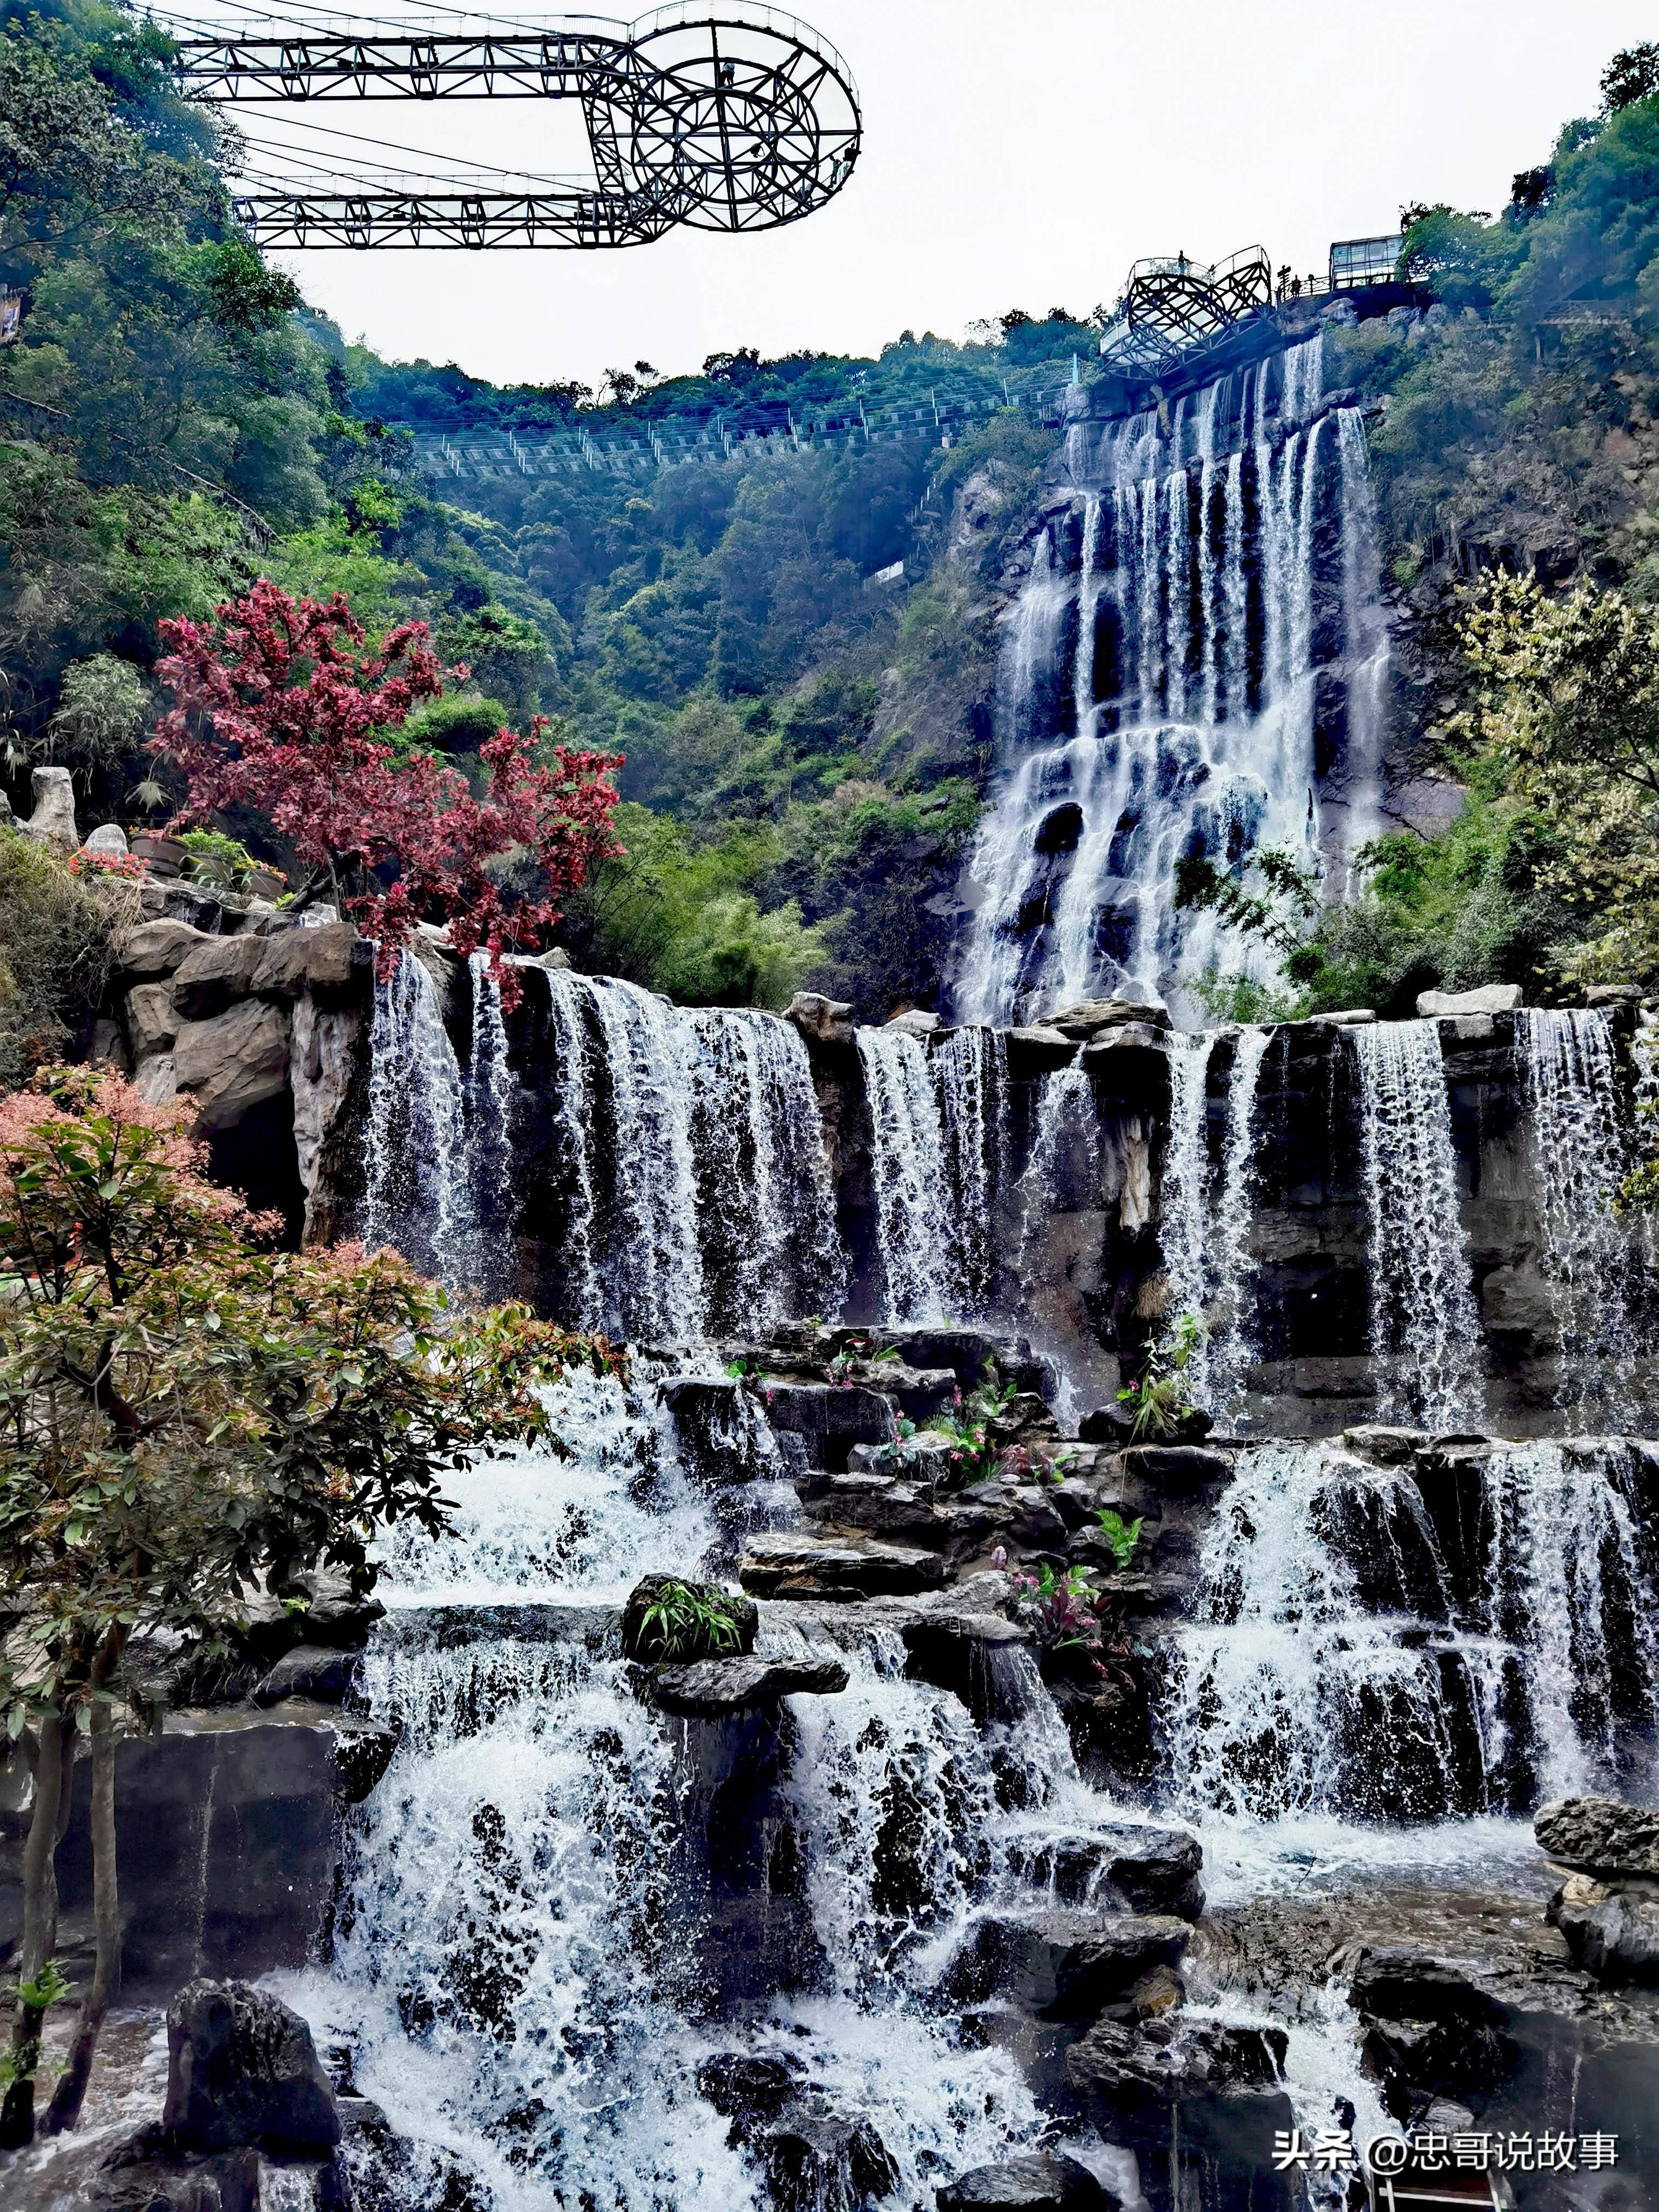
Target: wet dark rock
{"type": "Point", "coordinates": [1106, 1425]}
{"type": "Point", "coordinates": [145, 2174]}
{"type": "Point", "coordinates": [793, 1563]}
{"type": "Point", "coordinates": [715, 1428]}
{"type": "Point", "coordinates": [709, 1689]}
{"type": "Point", "coordinates": [1040, 2182]}
{"type": "Point", "coordinates": [826, 1021]}
{"type": "Point", "coordinates": [1383, 1446]}
{"type": "Point", "coordinates": [1155, 1869]}
{"type": "Point", "coordinates": [1062, 1963]}
{"type": "Point", "coordinates": [831, 1417]}
{"type": "Point", "coordinates": [310, 1670]}
{"type": "Point", "coordinates": [326, 1610]}
{"type": "Point", "coordinates": [1428, 2026]}
{"type": "Point", "coordinates": [1612, 1931]}
{"type": "Point", "coordinates": [1391, 1982]}
{"type": "Point", "coordinates": [966, 1653]}
{"type": "Point", "coordinates": [1179, 1469]}
{"type": "Point", "coordinates": [1444, 2056]}
{"type": "Point", "coordinates": [818, 2159]}
{"type": "Point", "coordinates": [1170, 2058]}
{"type": "Point", "coordinates": [242, 2069]}
{"type": "Point", "coordinates": [638, 1641]}
{"type": "Point", "coordinates": [745, 2086]}
{"type": "Point", "coordinates": [1599, 1835]}
{"type": "Point", "coordinates": [1037, 1048]}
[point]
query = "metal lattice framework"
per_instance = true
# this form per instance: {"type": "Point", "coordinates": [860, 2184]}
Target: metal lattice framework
{"type": "Point", "coordinates": [739, 120]}
{"type": "Point", "coordinates": [1172, 308]}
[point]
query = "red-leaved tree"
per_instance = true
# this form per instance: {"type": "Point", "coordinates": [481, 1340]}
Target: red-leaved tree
{"type": "Point", "coordinates": [280, 709]}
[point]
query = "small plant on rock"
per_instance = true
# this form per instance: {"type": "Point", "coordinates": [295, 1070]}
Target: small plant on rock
{"type": "Point", "coordinates": [1157, 1401]}
{"type": "Point", "coordinates": [1122, 1535]}
{"type": "Point", "coordinates": [685, 1620]}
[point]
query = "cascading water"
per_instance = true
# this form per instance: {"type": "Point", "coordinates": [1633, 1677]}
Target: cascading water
{"type": "Point", "coordinates": [1425, 1331]}
{"type": "Point", "coordinates": [938, 1127]}
{"type": "Point", "coordinates": [1579, 1150]}
{"type": "Point", "coordinates": [1207, 1210]}
{"type": "Point", "coordinates": [686, 1157]}
{"type": "Point", "coordinates": [1202, 617]}
{"type": "Point", "coordinates": [418, 1196]}
{"type": "Point", "coordinates": [970, 1071]}
{"type": "Point", "coordinates": [1405, 1643]}
{"type": "Point", "coordinates": [522, 1971]}
{"type": "Point", "coordinates": [490, 1093]}
{"type": "Point", "coordinates": [913, 1225]}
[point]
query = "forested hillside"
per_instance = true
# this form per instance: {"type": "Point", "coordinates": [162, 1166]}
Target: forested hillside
{"type": "Point", "coordinates": [807, 740]}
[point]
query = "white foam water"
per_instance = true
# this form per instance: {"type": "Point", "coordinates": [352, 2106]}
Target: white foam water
{"type": "Point", "coordinates": [1159, 688]}
{"type": "Point", "coordinates": [1424, 1333]}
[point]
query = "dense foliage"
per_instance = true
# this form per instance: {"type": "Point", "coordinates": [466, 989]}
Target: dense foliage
{"type": "Point", "coordinates": [191, 1415]}
{"type": "Point", "coordinates": [281, 711]}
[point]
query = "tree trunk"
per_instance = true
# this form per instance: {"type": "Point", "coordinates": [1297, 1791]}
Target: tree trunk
{"type": "Point", "coordinates": [65, 2108]}
{"type": "Point", "coordinates": [52, 1767]}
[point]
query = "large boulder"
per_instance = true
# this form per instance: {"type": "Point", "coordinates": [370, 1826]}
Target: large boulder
{"type": "Point", "coordinates": [242, 2071]}
{"type": "Point", "coordinates": [1489, 999]}
{"type": "Point", "coordinates": [826, 1021]}
{"type": "Point", "coordinates": [792, 1563]}
{"type": "Point", "coordinates": [1062, 1963]}
{"type": "Point", "coordinates": [159, 948]}
{"type": "Point", "coordinates": [216, 974]}
{"type": "Point", "coordinates": [1427, 2026]}
{"type": "Point", "coordinates": [52, 821]}
{"type": "Point", "coordinates": [233, 1062]}
{"type": "Point", "coordinates": [324, 962]}
{"type": "Point", "coordinates": [1613, 1932]}
{"type": "Point", "coordinates": [1167, 2059]}
{"type": "Point", "coordinates": [1087, 1018]}
{"type": "Point", "coordinates": [712, 1689]}
{"type": "Point", "coordinates": [1599, 1835]}
{"type": "Point", "coordinates": [1039, 2181]}
{"type": "Point", "coordinates": [817, 2158]}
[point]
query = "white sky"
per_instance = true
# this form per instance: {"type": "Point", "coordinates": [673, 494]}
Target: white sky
{"type": "Point", "coordinates": [1017, 153]}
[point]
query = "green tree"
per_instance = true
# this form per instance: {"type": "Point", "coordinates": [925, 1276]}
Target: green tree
{"type": "Point", "coordinates": [191, 1415]}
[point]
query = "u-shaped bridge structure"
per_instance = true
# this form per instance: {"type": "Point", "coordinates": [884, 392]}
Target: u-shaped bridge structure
{"type": "Point", "coordinates": [737, 120]}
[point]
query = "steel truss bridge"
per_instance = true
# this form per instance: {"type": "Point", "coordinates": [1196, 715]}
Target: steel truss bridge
{"type": "Point", "coordinates": [739, 120]}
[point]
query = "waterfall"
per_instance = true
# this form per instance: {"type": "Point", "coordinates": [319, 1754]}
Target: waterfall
{"type": "Point", "coordinates": [686, 1157]}
{"type": "Point", "coordinates": [1579, 1150]}
{"type": "Point", "coordinates": [1425, 1335]}
{"type": "Point", "coordinates": [970, 1073]}
{"type": "Point", "coordinates": [1207, 1207]}
{"type": "Point", "coordinates": [526, 1974]}
{"type": "Point", "coordinates": [490, 1093]}
{"type": "Point", "coordinates": [938, 1130]}
{"type": "Point", "coordinates": [1336, 1662]}
{"type": "Point", "coordinates": [914, 1228]}
{"type": "Point", "coordinates": [1168, 669]}
{"type": "Point", "coordinates": [418, 1196]}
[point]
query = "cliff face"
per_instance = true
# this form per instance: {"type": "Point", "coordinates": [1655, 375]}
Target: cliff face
{"type": "Point", "coordinates": [1373, 1221]}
